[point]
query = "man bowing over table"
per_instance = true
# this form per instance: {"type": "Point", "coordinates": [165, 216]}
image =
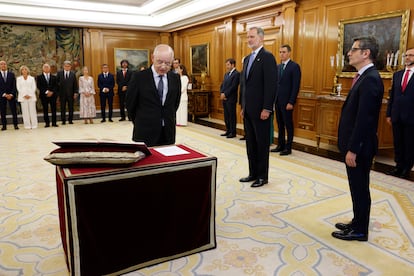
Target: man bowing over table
{"type": "Point", "coordinates": [152, 99]}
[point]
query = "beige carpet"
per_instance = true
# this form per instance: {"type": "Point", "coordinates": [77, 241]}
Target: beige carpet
{"type": "Point", "coordinates": [282, 228]}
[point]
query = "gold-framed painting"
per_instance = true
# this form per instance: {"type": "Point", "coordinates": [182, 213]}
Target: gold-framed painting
{"type": "Point", "coordinates": [199, 59]}
{"type": "Point", "coordinates": [137, 58]}
{"type": "Point", "coordinates": [391, 31]}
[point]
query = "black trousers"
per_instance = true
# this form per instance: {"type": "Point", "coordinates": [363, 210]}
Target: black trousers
{"type": "Point", "coordinates": [358, 179]}
{"type": "Point", "coordinates": [105, 97]}
{"type": "Point", "coordinates": [66, 99]}
{"type": "Point", "coordinates": [3, 110]}
{"type": "Point", "coordinates": [257, 145]}
{"type": "Point", "coordinates": [122, 103]}
{"type": "Point", "coordinates": [45, 104]}
{"type": "Point", "coordinates": [403, 135]}
{"type": "Point", "coordinates": [230, 116]}
{"type": "Point", "coordinates": [284, 121]}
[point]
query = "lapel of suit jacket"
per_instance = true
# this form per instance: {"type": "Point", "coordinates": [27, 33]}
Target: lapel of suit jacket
{"type": "Point", "coordinates": [256, 58]}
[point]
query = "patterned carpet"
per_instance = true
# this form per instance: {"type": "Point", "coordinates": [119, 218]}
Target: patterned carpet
{"type": "Point", "coordinates": [283, 228]}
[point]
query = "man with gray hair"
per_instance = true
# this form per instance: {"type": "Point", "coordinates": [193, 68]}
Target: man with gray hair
{"type": "Point", "coordinates": [68, 91]}
{"type": "Point", "coordinates": [152, 99]}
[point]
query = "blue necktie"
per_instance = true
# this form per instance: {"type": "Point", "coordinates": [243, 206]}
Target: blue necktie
{"type": "Point", "coordinates": [249, 65]}
{"type": "Point", "coordinates": [160, 88]}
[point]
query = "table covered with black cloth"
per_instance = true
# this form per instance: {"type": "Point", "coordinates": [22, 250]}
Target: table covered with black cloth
{"type": "Point", "coordinates": [116, 220]}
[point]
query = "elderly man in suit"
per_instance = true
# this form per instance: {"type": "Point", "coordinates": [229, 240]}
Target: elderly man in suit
{"type": "Point", "coordinates": [228, 94]}
{"type": "Point", "coordinates": [259, 91]}
{"type": "Point", "coordinates": [287, 92]}
{"type": "Point", "coordinates": [152, 99]}
{"type": "Point", "coordinates": [357, 134]}
{"type": "Point", "coordinates": [106, 83]}
{"type": "Point", "coordinates": [8, 94]}
{"type": "Point", "coordinates": [400, 114]}
{"type": "Point", "coordinates": [68, 91]}
{"type": "Point", "coordinates": [48, 92]}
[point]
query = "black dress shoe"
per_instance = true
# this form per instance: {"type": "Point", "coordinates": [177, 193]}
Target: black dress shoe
{"type": "Point", "coordinates": [277, 149]}
{"type": "Point", "coordinates": [103, 121]}
{"type": "Point", "coordinates": [122, 119]}
{"type": "Point", "coordinates": [285, 152]}
{"type": "Point", "coordinates": [55, 125]}
{"type": "Point", "coordinates": [47, 125]}
{"type": "Point", "coordinates": [350, 235]}
{"type": "Point", "coordinates": [70, 122]}
{"type": "Point", "coordinates": [3, 128]}
{"type": "Point", "coordinates": [247, 178]}
{"type": "Point", "coordinates": [63, 123]}
{"type": "Point", "coordinates": [16, 127]}
{"type": "Point", "coordinates": [110, 120]}
{"type": "Point", "coordinates": [231, 136]}
{"type": "Point", "coordinates": [404, 174]}
{"type": "Point", "coordinates": [342, 226]}
{"type": "Point", "coordinates": [394, 172]}
{"type": "Point", "coordinates": [224, 134]}
{"type": "Point", "coordinates": [259, 182]}
{"type": "Point", "coordinates": [243, 138]}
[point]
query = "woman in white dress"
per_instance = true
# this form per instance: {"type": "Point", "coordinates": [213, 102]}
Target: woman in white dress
{"type": "Point", "coordinates": [182, 111]}
{"type": "Point", "coordinates": [87, 97]}
{"type": "Point", "coordinates": [26, 89]}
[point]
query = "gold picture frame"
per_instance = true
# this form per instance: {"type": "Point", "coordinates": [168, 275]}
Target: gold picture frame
{"type": "Point", "coordinates": [391, 31]}
{"type": "Point", "coordinates": [199, 59]}
{"type": "Point", "coordinates": [137, 58]}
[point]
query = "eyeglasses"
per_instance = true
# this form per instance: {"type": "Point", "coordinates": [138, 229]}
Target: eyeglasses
{"type": "Point", "coordinates": [161, 62]}
{"type": "Point", "coordinates": [408, 55]}
{"type": "Point", "coordinates": [356, 49]}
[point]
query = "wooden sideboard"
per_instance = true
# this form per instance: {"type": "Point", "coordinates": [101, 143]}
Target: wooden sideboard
{"type": "Point", "coordinates": [328, 112]}
{"type": "Point", "coordinates": [198, 103]}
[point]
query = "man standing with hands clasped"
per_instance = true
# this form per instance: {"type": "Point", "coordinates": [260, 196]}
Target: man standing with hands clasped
{"type": "Point", "coordinates": [259, 90]}
{"type": "Point", "coordinates": [228, 94]}
{"type": "Point", "coordinates": [287, 92]}
{"type": "Point", "coordinates": [152, 100]}
{"type": "Point", "coordinates": [400, 114]}
{"type": "Point", "coordinates": [357, 134]}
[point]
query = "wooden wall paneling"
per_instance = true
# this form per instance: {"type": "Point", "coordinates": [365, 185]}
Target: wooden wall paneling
{"type": "Point", "coordinates": [220, 43]}
{"type": "Point", "coordinates": [309, 49]}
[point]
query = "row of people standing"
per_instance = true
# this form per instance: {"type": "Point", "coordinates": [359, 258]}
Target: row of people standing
{"type": "Point", "coordinates": [63, 87]}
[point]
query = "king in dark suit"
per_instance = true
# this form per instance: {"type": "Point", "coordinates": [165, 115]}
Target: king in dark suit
{"type": "Point", "coordinates": [152, 100]}
{"type": "Point", "coordinates": [287, 92]}
{"type": "Point", "coordinates": [228, 94]}
{"type": "Point", "coordinates": [259, 91]}
{"type": "Point", "coordinates": [400, 113]}
{"type": "Point", "coordinates": [8, 94]}
{"type": "Point", "coordinates": [106, 83]}
{"type": "Point", "coordinates": [48, 92]}
{"type": "Point", "coordinates": [357, 134]}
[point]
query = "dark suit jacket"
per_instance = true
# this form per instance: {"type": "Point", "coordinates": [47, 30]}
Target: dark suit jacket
{"type": "Point", "coordinates": [69, 86]}
{"type": "Point", "coordinates": [145, 109]}
{"type": "Point", "coordinates": [258, 94]}
{"type": "Point", "coordinates": [42, 85]}
{"type": "Point", "coordinates": [401, 105]}
{"type": "Point", "coordinates": [289, 84]}
{"type": "Point", "coordinates": [230, 85]}
{"type": "Point", "coordinates": [8, 87]}
{"type": "Point", "coordinates": [357, 131]}
{"type": "Point", "coordinates": [108, 82]}
{"type": "Point", "coordinates": [121, 80]}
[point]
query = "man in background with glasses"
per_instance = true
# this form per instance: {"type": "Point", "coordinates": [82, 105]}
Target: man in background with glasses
{"type": "Point", "coordinates": [357, 134]}
{"type": "Point", "coordinates": [152, 99]}
{"type": "Point", "coordinates": [400, 114]}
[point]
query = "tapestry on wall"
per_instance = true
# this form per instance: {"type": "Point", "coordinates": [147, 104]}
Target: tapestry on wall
{"type": "Point", "coordinates": [35, 45]}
